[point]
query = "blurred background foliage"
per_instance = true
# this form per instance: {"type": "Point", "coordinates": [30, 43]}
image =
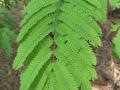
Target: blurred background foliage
{"type": "Point", "coordinates": [8, 3]}
{"type": "Point", "coordinates": [10, 17]}
{"type": "Point", "coordinates": [7, 22]}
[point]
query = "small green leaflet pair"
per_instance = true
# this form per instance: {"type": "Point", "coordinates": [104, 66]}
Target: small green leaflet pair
{"type": "Point", "coordinates": [116, 40]}
{"type": "Point", "coordinates": [55, 44]}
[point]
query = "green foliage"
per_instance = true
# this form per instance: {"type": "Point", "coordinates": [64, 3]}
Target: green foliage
{"type": "Point", "coordinates": [55, 45]}
{"type": "Point", "coordinates": [116, 40]}
{"type": "Point", "coordinates": [6, 24]}
{"type": "Point", "coordinates": [115, 3]}
{"type": "Point", "coordinates": [8, 3]}
{"type": "Point", "coordinates": [100, 13]}
{"type": "Point", "coordinates": [116, 28]}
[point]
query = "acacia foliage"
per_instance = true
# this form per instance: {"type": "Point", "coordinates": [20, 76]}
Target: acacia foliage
{"type": "Point", "coordinates": [55, 44]}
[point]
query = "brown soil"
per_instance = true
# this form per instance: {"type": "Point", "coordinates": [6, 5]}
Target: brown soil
{"type": "Point", "coordinates": [9, 79]}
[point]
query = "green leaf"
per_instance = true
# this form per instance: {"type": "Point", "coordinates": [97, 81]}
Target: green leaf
{"type": "Point", "coordinates": [116, 44]}
{"type": "Point", "coordinates": [63, 32]}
